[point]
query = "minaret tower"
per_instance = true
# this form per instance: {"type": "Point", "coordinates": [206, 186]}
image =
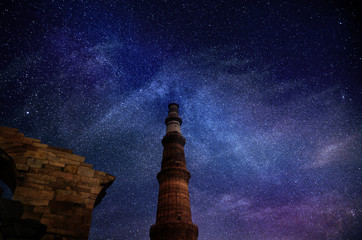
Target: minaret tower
{"type": "Point", "coordinates": [173, 220]}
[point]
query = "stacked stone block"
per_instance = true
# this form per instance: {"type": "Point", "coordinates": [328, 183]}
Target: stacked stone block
{"type": "Point", "coordinates": [54, 185]}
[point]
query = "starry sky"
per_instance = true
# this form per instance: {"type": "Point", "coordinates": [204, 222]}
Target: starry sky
{"type": "Point", "coordinates": [269, 93]}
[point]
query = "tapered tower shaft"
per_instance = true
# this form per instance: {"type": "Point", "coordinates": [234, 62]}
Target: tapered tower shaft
{"type": "Point", "coordinates": [173, 221]}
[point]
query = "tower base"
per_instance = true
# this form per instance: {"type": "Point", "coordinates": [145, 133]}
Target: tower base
{"type": "Point", "coordinates": [174, 231]}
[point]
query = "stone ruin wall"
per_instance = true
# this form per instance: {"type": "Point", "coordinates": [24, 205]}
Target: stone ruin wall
{"type": "Point", "coordinates": [55, 186]}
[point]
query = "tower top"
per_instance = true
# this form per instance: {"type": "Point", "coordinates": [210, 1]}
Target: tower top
{"type": "Point", "coordinates": [173, 108]}
{"type": "Point", "coordinates": [173, 121]}
{"type": "Point", "coordinates": [171, 104]}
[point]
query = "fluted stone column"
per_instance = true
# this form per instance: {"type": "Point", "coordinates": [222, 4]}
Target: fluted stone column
{"type": "Point", "coordinates": [173, 221]}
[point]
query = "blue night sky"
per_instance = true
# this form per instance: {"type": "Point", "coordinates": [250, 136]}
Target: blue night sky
{"type": "Point", "coordinates": [269, 93]}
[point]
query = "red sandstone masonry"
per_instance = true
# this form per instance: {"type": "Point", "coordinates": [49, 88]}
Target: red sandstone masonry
{"type": "Point", "coordinates": [55, 186]}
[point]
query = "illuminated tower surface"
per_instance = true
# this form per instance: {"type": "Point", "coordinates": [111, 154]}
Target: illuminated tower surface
{"type": "Point", "coordinates": [173, 221]}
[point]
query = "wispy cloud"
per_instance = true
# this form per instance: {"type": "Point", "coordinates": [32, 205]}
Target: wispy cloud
{"type": "Point", "coordinates": [323, 216]}
{"type": "Point", "coordinates": [336, 150]}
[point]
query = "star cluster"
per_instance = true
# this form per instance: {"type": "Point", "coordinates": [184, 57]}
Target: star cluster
{"type": "Point", "coordinates": [269, 94]}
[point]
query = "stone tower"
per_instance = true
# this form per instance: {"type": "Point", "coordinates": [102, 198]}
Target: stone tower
{"type": "Point", "coordinates": [173, 221]}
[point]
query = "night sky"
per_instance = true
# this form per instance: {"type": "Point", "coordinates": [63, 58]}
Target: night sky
{"type": "Point", "coordinates": [270, 95]}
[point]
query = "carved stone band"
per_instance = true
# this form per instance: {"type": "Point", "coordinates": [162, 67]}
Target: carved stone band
{"type": "Point", "coordinates": [173, 173]}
